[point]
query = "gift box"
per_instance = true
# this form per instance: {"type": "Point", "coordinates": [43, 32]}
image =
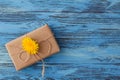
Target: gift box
{"type": "Point", "coordinates": [32, 47]}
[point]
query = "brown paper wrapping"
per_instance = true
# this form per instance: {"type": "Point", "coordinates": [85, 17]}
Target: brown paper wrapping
{"type": "Point", "coordinates": [47, 44]}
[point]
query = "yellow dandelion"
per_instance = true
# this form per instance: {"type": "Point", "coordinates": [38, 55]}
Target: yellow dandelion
{"type": "Point", "coordinates": [30, 45]}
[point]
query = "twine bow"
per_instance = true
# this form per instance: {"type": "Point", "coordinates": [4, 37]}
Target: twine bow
{"type": "Point", "coordinates": [31, 47]}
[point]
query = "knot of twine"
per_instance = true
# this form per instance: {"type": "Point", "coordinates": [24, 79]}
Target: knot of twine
{"type": "Point", "coordinates": [28, 57]}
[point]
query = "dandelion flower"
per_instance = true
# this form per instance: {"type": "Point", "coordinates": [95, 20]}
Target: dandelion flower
{"type": "Point", "coordinates": [30, 45]}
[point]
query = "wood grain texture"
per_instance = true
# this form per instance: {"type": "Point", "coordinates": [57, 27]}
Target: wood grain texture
{"type": "Point", "coordinates": [88, 32]}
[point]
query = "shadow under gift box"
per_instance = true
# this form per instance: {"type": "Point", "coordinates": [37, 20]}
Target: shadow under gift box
{"type": "Point", "coordinates": [47, 46]}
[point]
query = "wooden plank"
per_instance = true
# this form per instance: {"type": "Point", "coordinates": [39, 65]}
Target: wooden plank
{"type": "Point", "coordinates": [63, 72]}
{"type": "Point", "coordinates": [82, 18]}
{"type": "Point", "coordinates": [93, 6]}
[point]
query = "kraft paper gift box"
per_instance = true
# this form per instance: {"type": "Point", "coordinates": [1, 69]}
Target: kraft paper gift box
{"type": "Point", "coordinates": [46, 43]}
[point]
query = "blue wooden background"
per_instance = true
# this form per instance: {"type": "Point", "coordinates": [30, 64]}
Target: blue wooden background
{"type": "Point", "coordinates": [88, 32]}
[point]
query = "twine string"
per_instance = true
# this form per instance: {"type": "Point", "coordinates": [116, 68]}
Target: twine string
{"type": "Point", "coordinates": [28, 56]}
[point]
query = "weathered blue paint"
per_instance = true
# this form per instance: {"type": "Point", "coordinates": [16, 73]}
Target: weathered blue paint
{"type": "Point", "coordinates": [88, 32]}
